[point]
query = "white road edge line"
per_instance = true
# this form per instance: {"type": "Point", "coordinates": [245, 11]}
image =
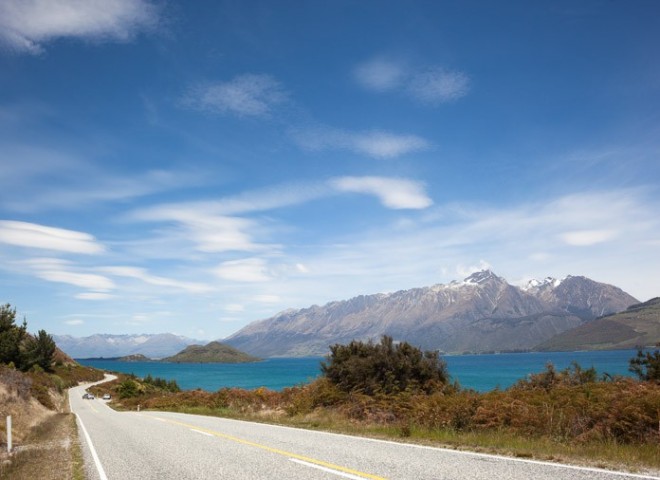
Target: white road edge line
{"type": "Point", "coordinates": [326, 469]}
{"type": "Point", "coordinates": [95, 456]}
{"type": "Point", "coordinates": [199, 431]}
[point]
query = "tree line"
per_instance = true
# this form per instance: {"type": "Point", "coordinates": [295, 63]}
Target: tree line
{"type": "Point", "coordinates": [21, 349]}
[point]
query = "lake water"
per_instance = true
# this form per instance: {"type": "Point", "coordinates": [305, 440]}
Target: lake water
{"type": "Point", "coordinates": [479, 372]}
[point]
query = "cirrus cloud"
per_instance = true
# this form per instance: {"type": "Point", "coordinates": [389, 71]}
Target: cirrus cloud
{"type": "Point", "coordinates": [32, 235]}
{"type": "Point", "coordinates": [380, 74]}
{"type": "Point", "coordinates": [142, 275]}
{"type": "Point", "coordinates": [396, 193]}
{"type": "Point", "coordinates": [245, 270]}
{"type": "Point", "coordinates": [373, 143]}
{"type": "Point", "coordinates": [430, 86]}
{"type": "Point", "coordinates": [62, 271]}
{"type": "Point", "coordinates": [251, 95]}
{"type": "Point", "coordinates": [437, 85]}
{"type": "Point", "coordinates": [585, 238]}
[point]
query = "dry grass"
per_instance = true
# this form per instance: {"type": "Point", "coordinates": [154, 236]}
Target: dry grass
{"type": "Point", "coordinates": [44, 433]}
{"type": "Point", "coordinates": [50, 452]}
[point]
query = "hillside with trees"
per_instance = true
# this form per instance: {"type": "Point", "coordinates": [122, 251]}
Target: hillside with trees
{"type": "Point", "coordinates": [19, 348]}
{"type": "Point", "coordinates": [34, 377]}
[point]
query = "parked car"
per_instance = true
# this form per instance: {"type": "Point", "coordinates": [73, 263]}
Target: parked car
{"type": "Point", "coordinates": [90, 396]}
{"type": "Point", "coordinates": [85, 396]}
{"type": "Point", "coordinates": [106, 396]}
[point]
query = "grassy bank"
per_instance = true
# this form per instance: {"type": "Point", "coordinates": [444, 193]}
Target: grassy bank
{"type": "Point", "coordinates": [50, 451]}
{"type": "Point", "coordinates": [45, 437]}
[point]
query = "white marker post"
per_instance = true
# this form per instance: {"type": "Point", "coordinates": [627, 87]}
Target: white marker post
{"type": "Point", "coordinates": [8, 433]}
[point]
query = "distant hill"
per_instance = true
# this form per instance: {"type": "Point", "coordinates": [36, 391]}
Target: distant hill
{"type": "Point", "coordinates": [639, 325]}
{"type": "Point", "coordinates": [214, 352]}
{"type": "Point", "coordinates": [137, 357]}
{"type": "Point", "coordinates": [482, 313]}
{"type": "Point", "coordinates": [114, 346]}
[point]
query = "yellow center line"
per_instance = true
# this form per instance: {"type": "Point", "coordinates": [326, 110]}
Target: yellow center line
{"type": "Point", "coordinates": [274, 450]}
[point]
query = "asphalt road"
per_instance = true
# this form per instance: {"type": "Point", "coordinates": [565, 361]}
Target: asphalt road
{"type": "Point", "coordinates": [160, 445]}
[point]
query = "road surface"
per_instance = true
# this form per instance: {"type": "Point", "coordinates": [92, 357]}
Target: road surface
{"type": "Point", "coordinates": [163, 446]}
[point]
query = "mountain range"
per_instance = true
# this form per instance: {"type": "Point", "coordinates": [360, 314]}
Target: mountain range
{"type": "Point", "coordinates": [111, 346]}
{"type": "Point", "coordinates": [481, 313]}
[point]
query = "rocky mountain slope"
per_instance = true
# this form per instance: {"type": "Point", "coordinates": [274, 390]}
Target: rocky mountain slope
{"type": "Point", "coordinates": [639, 325]}
{"type": "Point", "coordinates": [479, 314]}
{"type": "Point", "coordinates": [112, 346]}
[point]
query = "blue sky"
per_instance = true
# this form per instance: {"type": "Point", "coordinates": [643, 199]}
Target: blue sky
{"type": "Point", "coordinates": [190, 167]}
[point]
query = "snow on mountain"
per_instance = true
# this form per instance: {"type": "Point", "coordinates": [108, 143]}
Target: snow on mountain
{"type": "Point", "coordinates": [481, 313]}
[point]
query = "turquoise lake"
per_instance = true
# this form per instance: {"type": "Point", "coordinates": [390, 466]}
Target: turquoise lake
{"type": "Point", "coordinates": [479, 372]}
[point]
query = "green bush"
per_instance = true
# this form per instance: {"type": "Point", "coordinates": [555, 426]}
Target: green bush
{"type": "Point", "coordinates": [128, 389]}
{"type": "Point", "coordinates": [646, 365]}
{"type": "Point", "coordinates": [385, 368]}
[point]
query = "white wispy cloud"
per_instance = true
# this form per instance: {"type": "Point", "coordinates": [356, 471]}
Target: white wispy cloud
{"type": "Point", "coordinates": [217, 226]}
{"type": "Point", "coordinates": [252, 95]}
{"type": "Point", "coordinates": [431, 86]}
{"type": "Point", "coordinates": [27, 25]}
{"type": "Point", "coordinates": [267, 298]}
{"type": "Point", "coordinates": [82, 280]}
{"type": "Point", "coordinates": [381, 74]}
{"type": "Point", "coordinates": [74, 322]}
{"type": "Point", "coordinates": [373, 143]}
{"type": "Point", "coordinates": [394, 193]}
{"type": "Point", "coordinates": [61, 271]}
{"type": "Point", "coordinates": [144, 276]}
{"type": "Point", "coordinates": [437, 85]}
{"type": "Point", "coordinates": [111, 188]}
{"type": "Point", "coordinates": [32, 235]}
{"type": "Point", "coordinates": [200, 224]}
{"type": "Point", "coordinates": [58, 178]}
{"type": "Point", "coordinates": [245, 270]}
{"type": "Point", "coordinates": [94, 296]}
{"type": "Point", "coordinates": [234, 307]}
{"type": "Point", "coordinates": [585, 238]}
{"type": "Point", "coordinates": [466, 270]}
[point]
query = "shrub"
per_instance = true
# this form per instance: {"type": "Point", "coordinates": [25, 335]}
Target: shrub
{"type": "Point", "coordinates": [128, 389]}
{"type": "Point", "coordinates": [162, 384]}
{"type": "Point", "coordinates": [550, 378]}
{"type": "Point", "coordinates": [646, 365]}
{"type": "Point", "coordinates": [384, 368]}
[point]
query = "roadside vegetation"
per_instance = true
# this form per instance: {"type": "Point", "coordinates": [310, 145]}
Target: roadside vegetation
{"type": "Point", "coordinates": [397, 391]}
{"type": "Point", "coordinates": [34, 376]}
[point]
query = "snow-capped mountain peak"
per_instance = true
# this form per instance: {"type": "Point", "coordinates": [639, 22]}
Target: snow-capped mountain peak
{"type": "Point", "coordinates": [535, 284]}
{"type": "Point", "coordinates": [477, 278]}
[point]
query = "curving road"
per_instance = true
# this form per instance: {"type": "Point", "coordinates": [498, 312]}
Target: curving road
{"type": "Point", "coordinates": [161, 445]}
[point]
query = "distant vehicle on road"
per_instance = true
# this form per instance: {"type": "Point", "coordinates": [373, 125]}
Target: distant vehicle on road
{"type": "Point", "coordinates": [85, 396]}
{"type": "Point", "coordinates": [88, 396]}
{"type": "Point", "coordinates": [106, 396]}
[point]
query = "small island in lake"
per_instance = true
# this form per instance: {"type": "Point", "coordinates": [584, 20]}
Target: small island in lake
{"type": "Point", "coordinates": [136, 357]}
{"type": "Point", "coordinates": [214, 352]}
